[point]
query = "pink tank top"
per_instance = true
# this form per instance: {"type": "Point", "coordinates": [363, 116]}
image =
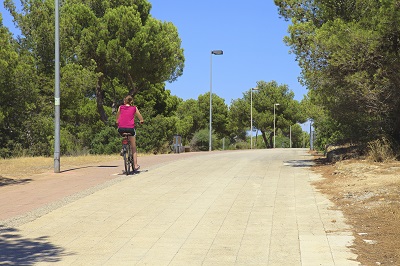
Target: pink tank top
{"type": "Point", "coordinates": [126, 116]}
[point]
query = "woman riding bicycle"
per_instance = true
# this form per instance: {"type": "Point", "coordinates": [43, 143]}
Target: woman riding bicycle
{"type": "Point", "coordinates": [126, 124]}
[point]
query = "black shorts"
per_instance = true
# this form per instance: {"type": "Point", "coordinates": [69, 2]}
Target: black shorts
{"type": "Point", "coordinates": [127, 130]}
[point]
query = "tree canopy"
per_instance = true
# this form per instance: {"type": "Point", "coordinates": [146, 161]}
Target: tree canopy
{"type": "Point", "coordinates": [108, 49]}
{"type": "Point", "coordinates": [349, 55]}
{"type": "Point", "coordinates": [265, 96]}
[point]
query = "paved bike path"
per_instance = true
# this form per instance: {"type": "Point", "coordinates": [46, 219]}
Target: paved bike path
{"type": "Point", "coordinates": [253, 207]}
{"type": "Point", "coordinates": [25, 196]}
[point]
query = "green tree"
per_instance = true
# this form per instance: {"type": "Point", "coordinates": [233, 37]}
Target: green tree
{"type": "Point", "coordinates": [238, 120]}
{"type": "Point", "coordinates": [219, 114]}
{"type": "Point", "coordinates": [297, 136]}
{"type": "Point", "coordinates": [36, 23]}
{"type": "Point", "coordinates": [23, 129]}
{"type": "Point", "coordinates": [158, 99]}
{"type": "Point", "coordinates": [108, 50]}
{"type": "Point", "coordinates": [201, 140]}
{"type": "Point", "coordinates": [156, 133]}
{"type": "Point", "coordinates": [125, 42]}
{"type": "Point", "coordinates": [287, 113]}
{"type": "Point", "coordinates": [349, 55]}
{"type": "Point", "coordinates": [190, 119]}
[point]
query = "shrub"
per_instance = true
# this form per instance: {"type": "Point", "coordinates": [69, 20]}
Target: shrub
{"type": "Point", "coordinates": [241, 145]}
{"type": "Point", "coordinates": [155, 134]}
{"type": "Point", "coordinates": [201, 140]}
{"type": "Point", "coordinates": [107, 141]}
{"type": "Point", "coordinates": [380, 150]}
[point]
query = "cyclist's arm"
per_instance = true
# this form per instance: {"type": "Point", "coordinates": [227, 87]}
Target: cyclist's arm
{"type": "Point", "coordinates": [139, 116]}
{"type": "Point", "coordinates": [118, 113]}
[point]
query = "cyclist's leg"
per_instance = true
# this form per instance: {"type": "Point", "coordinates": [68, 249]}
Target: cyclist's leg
{"type": "Point", "coordinates": [127, 163]}
{"type": "Point", "coordinates": [134, 150]}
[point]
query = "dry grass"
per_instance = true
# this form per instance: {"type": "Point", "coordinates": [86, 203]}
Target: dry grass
{"type": "Point", "coordinates": [368, 193]}
{"type": "Point", "coordinates": [380, 150]}
{"type": "Point", "coordinates": [27, 166]}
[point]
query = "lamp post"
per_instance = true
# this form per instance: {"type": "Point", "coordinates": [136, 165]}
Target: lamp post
{"type": "Point", "coordinates": [213, 52]}
{"type": "Point", "coordinates": [311, 137]}
{"type": "Point", "coordinates": [251, 116]}
{"type": "Point", "coordinates": [274, 121]}
{"type": "Point", "coordinates": [56, 90]}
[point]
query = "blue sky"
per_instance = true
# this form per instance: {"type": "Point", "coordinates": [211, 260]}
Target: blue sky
{"type": "Point", "coordinates": [249, 32]}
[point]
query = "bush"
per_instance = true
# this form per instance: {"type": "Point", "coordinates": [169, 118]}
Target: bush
{"type": "Point", "coordinates": [155, 134]}
{"type": "Point", "coordinates": [201, 140]}
{"type": "Point", "coordinates": [380, 150]}
{"type": "Point", "coordinates": [107, 141]}
{"type": "Point", "coordinates": [241, 145]}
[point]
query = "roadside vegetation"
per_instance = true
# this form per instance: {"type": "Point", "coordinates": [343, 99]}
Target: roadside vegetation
{"type": "Point", "coordinates": [349, 55]}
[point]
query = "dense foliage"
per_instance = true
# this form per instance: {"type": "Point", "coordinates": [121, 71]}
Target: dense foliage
{"type": "Point", "coordinates": [108, 50]}
{"type": "Point", "coordinates": [349, 54]}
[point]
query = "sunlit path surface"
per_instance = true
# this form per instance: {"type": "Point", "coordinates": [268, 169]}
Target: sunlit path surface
{"type": "Point", "coordinates": [251, 207]}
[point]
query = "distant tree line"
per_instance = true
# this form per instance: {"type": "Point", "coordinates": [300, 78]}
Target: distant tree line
{"type": "Point", "coordinates": [109, 49]}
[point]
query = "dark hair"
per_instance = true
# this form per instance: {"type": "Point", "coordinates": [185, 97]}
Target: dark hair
{"type": "Point", "coordinates": [128, 100]}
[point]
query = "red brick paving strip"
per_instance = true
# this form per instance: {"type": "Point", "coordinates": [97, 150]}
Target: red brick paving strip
{"type": "Point", "coordinates": [46, 188]}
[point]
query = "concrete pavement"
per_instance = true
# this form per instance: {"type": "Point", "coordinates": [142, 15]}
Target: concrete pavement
{"type": "Point", "coordinates": [251, 207]}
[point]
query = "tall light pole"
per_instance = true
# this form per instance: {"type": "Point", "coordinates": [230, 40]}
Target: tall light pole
{"type": "Point", "coordinates": [213, 52]}
{"type": "Point", "coordinates": [311, 137]}
{"type": "Point", "coordinates": [274, 121]}
{"type": "Point", "coordinates": [57, 91]}
{"type": "Point", "coordinates": [251, 116]}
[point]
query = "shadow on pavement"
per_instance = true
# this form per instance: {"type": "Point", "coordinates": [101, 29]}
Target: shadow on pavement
{"type": "Point", "coordinates": [299, 163]}
{"type": "Point", "coordinates": [4, 181]}
{"type": "Point", "coordinates": [83, 167]}
{"type": "Point", "coordinates": [16, 250]}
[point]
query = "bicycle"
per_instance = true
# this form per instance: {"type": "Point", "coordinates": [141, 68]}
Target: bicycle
{"type": "Point", "coordinates": [127, 153]}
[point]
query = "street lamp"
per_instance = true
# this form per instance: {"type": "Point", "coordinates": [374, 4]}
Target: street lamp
{"type": "Point", "coordinates": [213, 52]}
{"type": "Point", "coordinates": [276, 104]}
{"type": "Point", "coordinates": [251, 116]}
{"type": "Point", "coordinates": [56, 89]}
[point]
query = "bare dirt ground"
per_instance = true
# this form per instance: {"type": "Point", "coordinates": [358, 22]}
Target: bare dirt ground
{"type": "Point", "coordinates": [367, 193]}
{"type": "Point", "coordinates": [369, 196]}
